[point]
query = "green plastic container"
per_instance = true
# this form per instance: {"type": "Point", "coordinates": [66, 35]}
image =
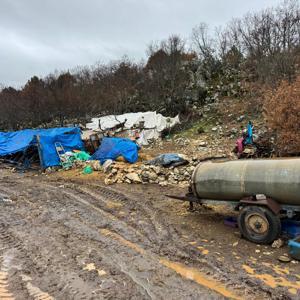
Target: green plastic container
{"type": "Point", "coordinates": [87, 170]}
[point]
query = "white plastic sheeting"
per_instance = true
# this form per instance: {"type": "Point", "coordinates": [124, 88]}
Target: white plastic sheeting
{"type": "Point", "coordinates": [154, 124]}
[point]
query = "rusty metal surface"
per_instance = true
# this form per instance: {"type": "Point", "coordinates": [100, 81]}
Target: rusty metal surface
{"type": "Point", "coordinates": [278, 179]}
{"type": "Point", "coordinates": [268, 202]}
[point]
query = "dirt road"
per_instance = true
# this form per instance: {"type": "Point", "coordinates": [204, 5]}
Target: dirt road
{"type": "Point", "coordinates": [79, 240]}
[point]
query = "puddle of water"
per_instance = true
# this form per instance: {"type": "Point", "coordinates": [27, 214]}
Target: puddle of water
{"type": "Point", "coordinates": [125, 242]}
{"type": "Point", "coordinates": [273, 282]}
{"type": "Point", "coordinates": [203, 250]}
{"type": "Point", "coordinates": [91, 267]}
{"type": "Point", "coordinates": [185, 272]}
{"type": "Point", "coordinates": [202, 279]}
{"type": "Point", "coordinates": [277, 269]}
{"type": "Point", "coordinates": [113, 205]}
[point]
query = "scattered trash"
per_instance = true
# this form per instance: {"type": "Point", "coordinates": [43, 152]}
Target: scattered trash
{"type": "Point", "coordinates": [278, 243]}
{"type": "Point", "coordinates": [95, 164]}
{"type": "Point", "coordinates": [70, 159]}
{"type": "Point", "coordinates": [240, 118]}
{"type": "Point", "coordinates": [231, 222]}
{"type": "Point", "coordinates": [169, 160]}
{"type": "Point", "coordinates": [284, 258]}
{"type": "Point", "coordinates": [235, 244]}
{"type": "Point", "coordinates": [82, 155]}
{"type": "Point", "coordinates": [87, 170]}
{"type": "Point", "coordinates": [5, 200]}
{"type": "Point", "coordinates": [107, 165]}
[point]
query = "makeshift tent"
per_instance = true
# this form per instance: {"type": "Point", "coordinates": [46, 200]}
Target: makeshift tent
{"type": "Point", "coordinates": [44, 140]}
{"type": "Point", "coordinates": [112, 148]}
{"type": "Point", "coordinates": [154, 124]}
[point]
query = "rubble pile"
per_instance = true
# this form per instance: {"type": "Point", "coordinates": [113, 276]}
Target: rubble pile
{"type": "Point", "coordinates": [140, 173]}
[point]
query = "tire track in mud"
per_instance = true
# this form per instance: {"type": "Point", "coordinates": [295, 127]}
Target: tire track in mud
{"type": "Point", "coordinates": [13, 245]}
{"type": "Point", "coordinates": [96, 203]}
{"type": "Point", "coordinates": [67, 285]}
{"type": "Point", "coordinates": [85, 200]}
{"type": "Point", "coordinates": [183, 243]}
{"type": "Point", "coordinates": [34, 262]}
{"type": "Point", "coordinates": [156, 230]}
{"type": "Point", "coordinates": [108, 194]}
{"type": "Point", "coordinates": [34, 291]}
{"type": "Point", "coordinates": [133, 275]}
{"type": "Point", "coordinates": [220, 272]}
{"type": "Point", "coordinates": [147, 230]}
{"type": "Point", "coordinates": [170, 265]}
{"type": "Point", "coordinates": [5, 293]}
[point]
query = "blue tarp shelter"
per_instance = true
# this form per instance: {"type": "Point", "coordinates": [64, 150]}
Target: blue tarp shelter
{"type": "Point", "coordinates": [112, 148]}
{"type": "Point", "coordinates": [44, 139]}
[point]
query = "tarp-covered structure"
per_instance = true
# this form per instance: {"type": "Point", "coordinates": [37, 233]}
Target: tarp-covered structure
{"type": "Point", "coordinates": [112, 148]}
{"type": "Point", "coordinates": [153, 124]}
{"type": "Point", "coordinates": [44, 140]}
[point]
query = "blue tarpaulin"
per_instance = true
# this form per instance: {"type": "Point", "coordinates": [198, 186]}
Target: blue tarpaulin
{"type": "Point", "coordinates": [112, 148]}
{"type": "Point", "coordinates": [19, 141]}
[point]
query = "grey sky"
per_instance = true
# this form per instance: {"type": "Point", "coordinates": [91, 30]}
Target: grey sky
{"type": "Point", "coordinates": [40, 36]}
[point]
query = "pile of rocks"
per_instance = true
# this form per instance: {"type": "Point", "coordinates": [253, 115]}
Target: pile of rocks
{"type": "Point", "coordinates": [140, 173]}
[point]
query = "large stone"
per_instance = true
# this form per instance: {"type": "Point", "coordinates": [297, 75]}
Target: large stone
{"type": "Point", "coordinates": [152, 176]}
{"type": "Point", "coordinates": [95, 164]}
{"type": "Point", "coordinates": [134, 177]}
{"type": "Point", "coordinates": [202, 144]}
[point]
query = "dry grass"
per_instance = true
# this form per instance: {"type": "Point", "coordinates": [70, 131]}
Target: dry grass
{"type": "Point", "coordinates": [282, 113]}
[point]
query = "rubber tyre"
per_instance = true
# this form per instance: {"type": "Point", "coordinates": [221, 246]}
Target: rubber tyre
{"type": "Point", "coordinates": [274, 225]}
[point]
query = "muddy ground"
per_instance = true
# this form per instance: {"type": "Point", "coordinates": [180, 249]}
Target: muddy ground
{"type": "Point", "coordinates": [63, 239]}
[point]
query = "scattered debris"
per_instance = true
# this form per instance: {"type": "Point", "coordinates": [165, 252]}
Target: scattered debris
{"type": "Point", "coordinates": [5, 199]}
{"type": "Point", "coordinates": [87, 170]}
{"type": "Point", "coordinates": [107, 165]}
{"type": "Point", "coordinates": [278, 243]}
{"type": "Point", "coordinates": [202, 144]}
{"type": "Point", "coordinates": [231, 222]}
{"type": "Point", "coordinates": [169, 160]}
{"type": "Point", "coordinates": [284, 258]}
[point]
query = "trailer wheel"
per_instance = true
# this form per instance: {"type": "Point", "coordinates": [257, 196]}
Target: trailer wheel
{"type": "Point", "coordinates": [259, 224]}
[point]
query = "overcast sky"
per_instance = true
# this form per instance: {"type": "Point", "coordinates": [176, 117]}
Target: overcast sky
{"type": "Point", "coordinates": [38, 37]}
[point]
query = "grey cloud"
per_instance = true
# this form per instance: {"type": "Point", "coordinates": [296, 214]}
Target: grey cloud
{"type": "Point", "coordinates": [37, 37]}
